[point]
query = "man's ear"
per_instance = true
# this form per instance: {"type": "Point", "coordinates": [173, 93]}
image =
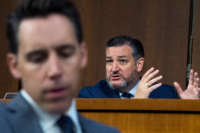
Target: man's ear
{"type": "Point", "coordinates": [84, 55]}
{"type": "Point", "coordinates": [13, 65]}
{"type": "Point", "coordinates": [140, 64]}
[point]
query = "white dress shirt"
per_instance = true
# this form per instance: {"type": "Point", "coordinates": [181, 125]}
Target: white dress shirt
{"type": "Point", "coordinates": [132, 91]}
{"type": "Point", "coordinates": [48, 121]}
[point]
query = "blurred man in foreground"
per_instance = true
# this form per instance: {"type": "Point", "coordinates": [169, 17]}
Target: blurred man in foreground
{"type": "Point", "coordinates": [47, 53]}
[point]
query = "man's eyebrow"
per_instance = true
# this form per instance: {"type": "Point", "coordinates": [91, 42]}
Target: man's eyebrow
{"type": "Point", "coordinates": [66, 46]}
{"type": "Point", "coordinates": [122, 56]}
{"type": "Point", "coordinates": [37, 51]}
{"type": "Point", "coordinates": [108, 57]}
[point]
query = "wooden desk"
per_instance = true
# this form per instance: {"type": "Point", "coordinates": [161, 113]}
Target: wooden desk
{"type": "Point", "coordinates": [144, 115]}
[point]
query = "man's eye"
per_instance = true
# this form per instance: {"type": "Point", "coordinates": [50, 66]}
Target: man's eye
{"type": "Point", "coordinates": [65, 52]}
{"type": "Point", "coordinates": [123, 62]}
{"type": "Point", "coordinates": [109, 61]}
{"type": "Point", "coordinates": [37, 57]}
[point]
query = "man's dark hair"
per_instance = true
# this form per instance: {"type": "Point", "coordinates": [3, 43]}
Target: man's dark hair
{"type": "Point", "coordinates": [40, 8]}
{"type": "Point", "coordinates": [136, 45]}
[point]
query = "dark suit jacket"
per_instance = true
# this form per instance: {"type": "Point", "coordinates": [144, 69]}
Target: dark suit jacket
{"type": "Point", "coordinates": [19, 117]}
{"type": "Point", "coordinates": [102, 90]}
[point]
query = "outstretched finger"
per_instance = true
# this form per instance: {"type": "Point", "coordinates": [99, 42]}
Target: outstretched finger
{"type": "Point", "coordinates": [178, 88]}
{"type": "Point", "coordinates": [148, 72]}
{"type": "Point", "coordinates": [191, 78]}
{"type": "Point", "coordinates": [154, 80]}
{"type": "Point", "coordinates": [196, 75]}
{"type": "Point", "coordinates": [153, 87]}
{"type": "Point", "coordinates": [151, 75]}
{"type": "Point", "coordinates": [196, 82]}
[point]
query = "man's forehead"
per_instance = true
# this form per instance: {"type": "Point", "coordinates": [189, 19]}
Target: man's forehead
{"type": "Point", "coordinates": [119, 51]}
{"type": "Point", "coordinates": [54, 47]}
{"type": "Point", "coordinates": [47, 33]}
{"type": "Point", "coordinates": [119, 47]}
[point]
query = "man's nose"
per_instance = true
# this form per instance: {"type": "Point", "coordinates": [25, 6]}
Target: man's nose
{"type": "Point", "coordinates": [55, 67]}
{"type": "Point", "coordinates": [115, 67]}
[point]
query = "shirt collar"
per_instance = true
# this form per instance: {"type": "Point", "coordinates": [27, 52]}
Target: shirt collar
{"type": "Point", "coordinates": [46, 119]}
{"type": "Point", "coordinates": [133, 90]}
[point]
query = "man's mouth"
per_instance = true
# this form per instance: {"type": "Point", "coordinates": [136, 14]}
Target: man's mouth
{"type": "Point", "coordinates": [56, 93]}
{"type": "Point", "coordinates": [115, 77]}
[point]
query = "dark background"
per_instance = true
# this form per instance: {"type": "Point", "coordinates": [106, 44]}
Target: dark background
{"type": "Point", "coordinates": [161, 25]}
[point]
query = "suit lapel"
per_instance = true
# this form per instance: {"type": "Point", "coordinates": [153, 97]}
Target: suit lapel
{"type": "Point", "coordinates": [84, 125]}
{"type": "Point", "coordinates": [89, 126]}
{"type": "Point", "coordinates": [109, 92]}
{"type": "Point", "coordinates": [22, 117]}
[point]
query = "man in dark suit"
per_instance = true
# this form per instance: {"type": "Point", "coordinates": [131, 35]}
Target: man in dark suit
{"type": "Point", "coordinates": [124, 64]}
{"type": "Point", "coordinates": [47, 53]}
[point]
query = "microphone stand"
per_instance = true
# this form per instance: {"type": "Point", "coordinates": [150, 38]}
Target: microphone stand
{"type": "Point", "coordinates": [190, 40]}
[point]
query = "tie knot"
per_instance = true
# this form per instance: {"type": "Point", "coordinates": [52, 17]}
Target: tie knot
{"type": "Point", "coordinates": [65, 123]}
{"type": "Point", "coordinates": [127, 95]}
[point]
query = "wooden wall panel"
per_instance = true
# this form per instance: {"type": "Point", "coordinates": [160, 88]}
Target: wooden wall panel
{"type": "Point", "coordinates": [196, 41]}
{"type": "Point", "coordinates": [162, 26]}
{"type": "Point", "coordinates": [7, 83]}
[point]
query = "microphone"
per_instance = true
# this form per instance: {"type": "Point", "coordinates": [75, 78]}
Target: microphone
{"type": "Point", "coordinates": [190, 39]}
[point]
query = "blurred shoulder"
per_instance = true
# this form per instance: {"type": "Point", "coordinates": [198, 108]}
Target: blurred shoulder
{"type": "Point", "coordinates": [91, 126]}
